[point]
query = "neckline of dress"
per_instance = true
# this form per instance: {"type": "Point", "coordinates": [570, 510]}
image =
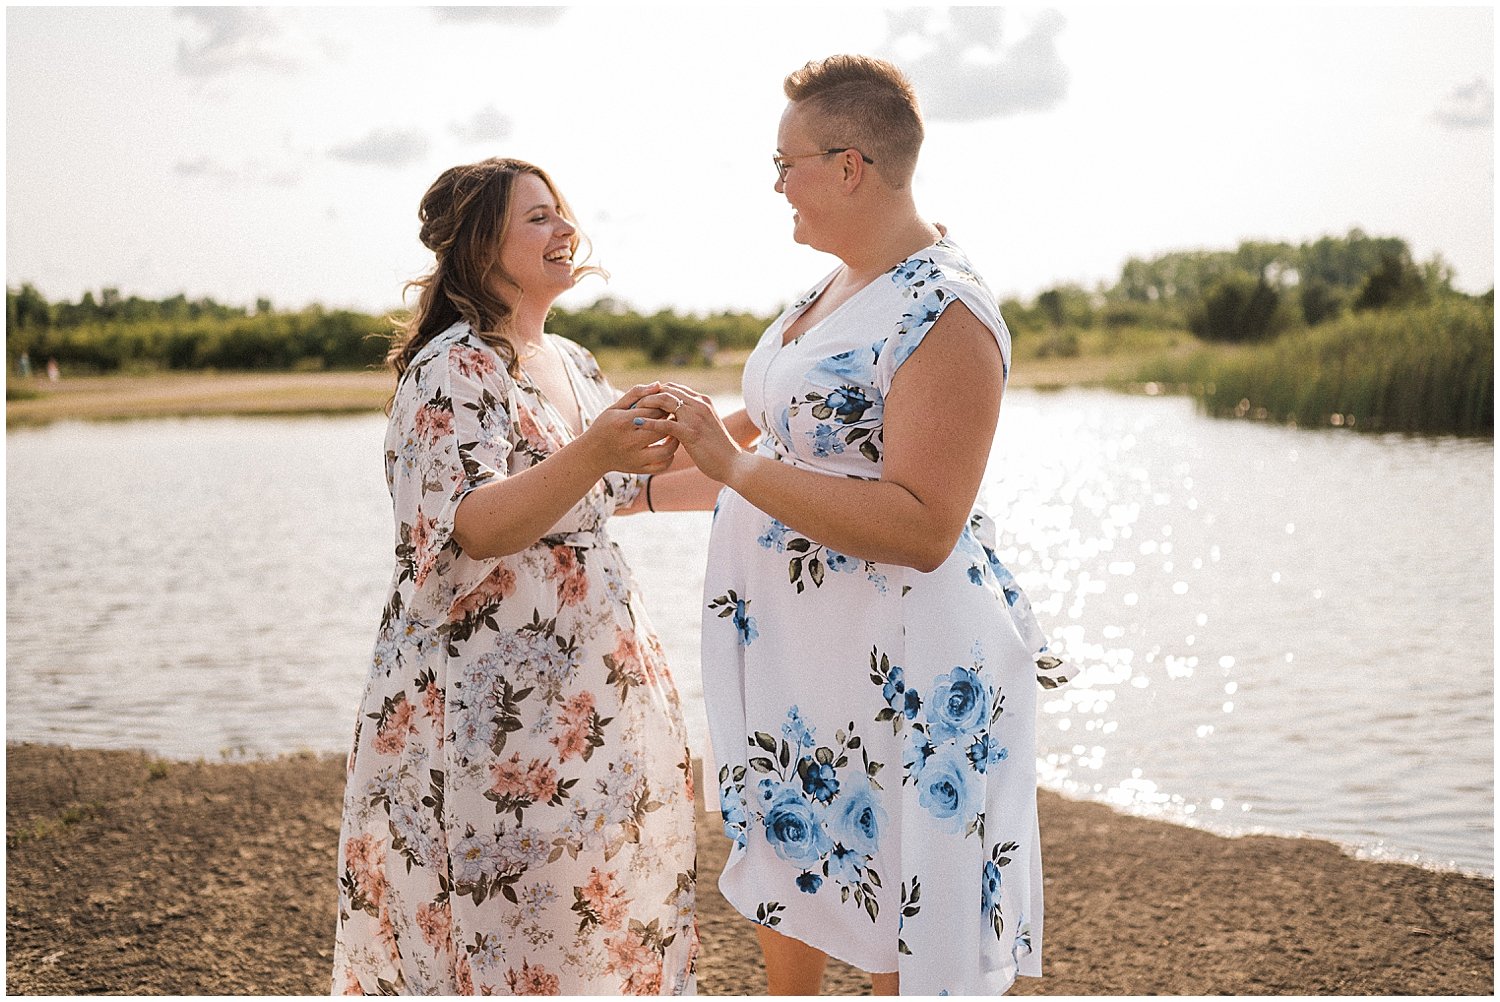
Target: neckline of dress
{"type": "Point", "coordinates": [546, 401]}
{"type": "Point", "coordinates": [822, 287]}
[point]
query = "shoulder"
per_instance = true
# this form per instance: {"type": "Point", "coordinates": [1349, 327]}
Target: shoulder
{"type": "Point", "coordinates": [943, 265]}
{"type": "Point", "coordinates": [457, 356]}
{"type": "Point", "coordinates": [928, 284]}
{"type": "Point", "coordinates": [943, 273]}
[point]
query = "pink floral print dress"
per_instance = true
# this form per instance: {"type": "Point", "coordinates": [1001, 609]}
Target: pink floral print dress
{"type": "Point", "coordinates": [518, 816]}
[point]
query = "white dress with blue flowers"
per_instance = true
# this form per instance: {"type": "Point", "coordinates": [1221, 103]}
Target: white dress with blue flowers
{"type": "Point", "coordinates": [874, 725]}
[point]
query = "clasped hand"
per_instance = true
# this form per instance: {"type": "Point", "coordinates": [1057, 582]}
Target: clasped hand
{"type": "Point", "coordinates": [694, 423]}
{"type": "Point", "coordinates": [623, 436]}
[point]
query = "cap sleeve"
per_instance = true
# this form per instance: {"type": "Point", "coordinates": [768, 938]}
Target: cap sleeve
{"type": "Point", "coordinates": [926, 304]}
{"type": "Point", "coordinates": [456, 415]}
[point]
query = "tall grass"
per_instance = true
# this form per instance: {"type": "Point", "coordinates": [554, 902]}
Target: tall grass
{"type": "Point", "coordinates": [1043, 340]}
{"type": "Point", "coordinates": [1421, 369]}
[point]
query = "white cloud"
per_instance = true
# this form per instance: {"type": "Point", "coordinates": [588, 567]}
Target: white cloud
{"type": "Point", "coordinates": [251, 172]}
{"type": "Point", "coordinates": [164, 150]}
{"type": "Point", "coordinates": [532, 17]}
{"type": "Point", "coordinates": [235, 37]}
{"type": "Point", "coordinates": [1470, 106]}
{"type": "Point", "coordinates": [204, 167]}
{"type": "Point", "coordinates": [964, 71]}
{"type": "Point", "coordinates": [486, 126]}
{"type": "Point", "coordinates": [384, 148]}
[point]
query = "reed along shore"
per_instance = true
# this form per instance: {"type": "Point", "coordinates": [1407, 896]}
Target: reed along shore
{"type": "Point", "coordinates": [127, 874]}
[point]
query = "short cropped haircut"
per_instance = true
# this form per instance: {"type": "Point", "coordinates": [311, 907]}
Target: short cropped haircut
{"type": "Point", "coordinates": [865, 103]}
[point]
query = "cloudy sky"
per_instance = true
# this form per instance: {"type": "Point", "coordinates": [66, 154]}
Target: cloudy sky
{"type": "Point", "coordinates": [244, 152]}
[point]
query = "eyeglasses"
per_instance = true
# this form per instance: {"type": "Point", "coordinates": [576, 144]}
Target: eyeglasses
{"type": "Point", "coordinates": [784, 162]}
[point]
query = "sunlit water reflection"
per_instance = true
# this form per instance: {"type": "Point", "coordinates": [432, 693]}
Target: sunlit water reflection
{"type": "Point", "coordinates": [1281, 630]}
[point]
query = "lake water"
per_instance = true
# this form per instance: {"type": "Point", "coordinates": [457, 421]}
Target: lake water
{"type": "Point", "coordinates": [1282, 630]}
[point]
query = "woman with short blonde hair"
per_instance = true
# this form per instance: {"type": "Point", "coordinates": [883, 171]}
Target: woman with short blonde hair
{"type": "Point", "coordinates": [870, 666]}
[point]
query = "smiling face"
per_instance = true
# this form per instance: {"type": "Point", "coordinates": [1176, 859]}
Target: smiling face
{"type": "Point", "coordinates": [811, 182]}
{"type": "Point", "coordinates": [536, 253]}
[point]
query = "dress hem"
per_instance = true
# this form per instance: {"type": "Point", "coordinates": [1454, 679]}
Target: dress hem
{"type": "Point", "coordinates": [801, 939]}
{"type": "Point", "coordinates": [1017, 971]}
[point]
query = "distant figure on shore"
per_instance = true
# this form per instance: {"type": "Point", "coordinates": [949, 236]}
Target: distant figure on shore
{"type": "Point", "coordinates": [870, 667]}
{"type": "Point", "coordinates": [25, 364]}
{"type": "Point", "coordinates": [53, 372]}
{"type": "Point", "coordinates": [519, 812]}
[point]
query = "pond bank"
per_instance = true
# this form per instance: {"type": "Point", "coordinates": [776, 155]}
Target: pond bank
{"type": "Point", "coordinates": [187, 394]}
{"type": "Point", "coordinates": [126, 874]}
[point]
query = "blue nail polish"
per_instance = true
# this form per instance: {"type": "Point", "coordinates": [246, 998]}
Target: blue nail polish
{"type": "Point", "coordinates": [639, 421]}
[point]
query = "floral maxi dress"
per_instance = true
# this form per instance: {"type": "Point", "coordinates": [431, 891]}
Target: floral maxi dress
{"type": "Point", "coordinates": [518, 816]}
{"type": "Point", "coordinates": [875, 725]}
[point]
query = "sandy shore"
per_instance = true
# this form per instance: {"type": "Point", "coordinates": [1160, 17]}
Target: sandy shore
{"type": "Point", "coordinates": [129, 875]}
{"type": "Point", "coordinates": [196, 394]}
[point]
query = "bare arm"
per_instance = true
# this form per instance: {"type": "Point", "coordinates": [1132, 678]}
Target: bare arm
{"type": "Point", "coordinates": [509, 514]}
{"type": "Point", "coordinates": [940, 418]}
{"type": "Point", "coordinates": [680, 490]}
{"type": "Point", "coordinates": [741, 428]}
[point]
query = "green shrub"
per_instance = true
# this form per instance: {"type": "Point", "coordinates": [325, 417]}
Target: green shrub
{"type": "Point", "coordinates": [1238, 307]}
{"type": "Point", "coordinates": [1419, 369]}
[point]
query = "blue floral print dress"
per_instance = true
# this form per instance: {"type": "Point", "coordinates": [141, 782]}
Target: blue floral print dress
{"type": "Point", "coordinates": [518, 816]}
{"type": "Point", "coordinates": [874, 725]}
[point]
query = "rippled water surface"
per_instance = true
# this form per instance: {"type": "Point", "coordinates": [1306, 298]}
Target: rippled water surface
{"type": "Point", "coordinates": [1282, 630]}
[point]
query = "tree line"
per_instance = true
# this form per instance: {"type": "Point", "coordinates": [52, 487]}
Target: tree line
{"type": "Point", "coordinates": [1254, 293]}
{"type": "Point", "coordinates": [110, 332]}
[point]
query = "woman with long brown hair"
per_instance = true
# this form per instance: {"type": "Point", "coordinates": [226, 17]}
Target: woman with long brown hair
{"type": "Point", "coordinates": [518, 816]}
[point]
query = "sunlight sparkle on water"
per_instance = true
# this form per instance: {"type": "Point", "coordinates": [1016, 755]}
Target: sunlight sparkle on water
{"type": "Point", "coordinates": [1193, 587]}
{"type": "Point", "coordinates": [1092, 495]}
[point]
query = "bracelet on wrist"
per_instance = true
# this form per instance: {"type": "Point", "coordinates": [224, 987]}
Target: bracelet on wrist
{"type": "Point", "coordinates": [649, 506]}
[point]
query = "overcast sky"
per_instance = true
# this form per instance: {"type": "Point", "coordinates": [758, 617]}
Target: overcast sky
{"type": "Point", "coordinates": [281, 152]}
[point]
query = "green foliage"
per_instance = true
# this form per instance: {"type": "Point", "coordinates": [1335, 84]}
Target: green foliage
{"type": "Point", "coordinates": [1424, 368]}
{"type": "Point", "coordinates": [1054, 325]}
{"type": "Point", "coordinates": [1320, 301]}
{"type": "Point", "coordinates": [1345, 262]}
{"type": "Point", "coordinates": [1067, 305]}
{"type": "Point", "coordinates": [663, 336]}
{"type": "Point", "coordinates": [110, 334]}
{"type": "Point", "coordinates": [1060, 343]}
{"type": "Point", "coordinates": [1237, 307]}
{"type": "Point", "coordinates": [1347, 325]}
{"type": "Point", "coordinates": [1178, 277]}
{"type": "Point", "coordinates": [26, 308]}
{"type": "Point", "coordinates": [1262, 288]}
{"type": "Point", "coordinates": [1394, 282]}
{"type": "Point", "coordinates": [310, 338]}
{"type": "Point", "coordinates": [1123, 314]}
{"type": "Point", "coordinates": [1051, 304]}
